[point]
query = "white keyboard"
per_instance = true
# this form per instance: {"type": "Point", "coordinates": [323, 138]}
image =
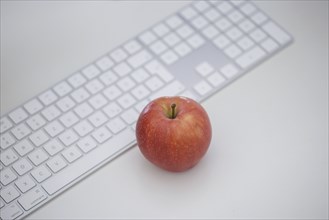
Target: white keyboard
{"type": "Point", "coordinates": [65, 133]}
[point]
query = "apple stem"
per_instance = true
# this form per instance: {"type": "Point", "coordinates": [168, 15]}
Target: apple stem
{"type": "Point", "coordinates": [173, 113]}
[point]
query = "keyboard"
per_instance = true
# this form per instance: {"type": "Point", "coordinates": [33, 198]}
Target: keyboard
{"type": "Point", "coordinates": [65, 133]}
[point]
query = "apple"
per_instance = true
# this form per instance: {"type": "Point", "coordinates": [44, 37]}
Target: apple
{"type": "Point", "coordinates": [173, 133]}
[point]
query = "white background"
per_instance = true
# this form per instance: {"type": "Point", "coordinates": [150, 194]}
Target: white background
{"type": "Point", "coordinates": [269, 152]}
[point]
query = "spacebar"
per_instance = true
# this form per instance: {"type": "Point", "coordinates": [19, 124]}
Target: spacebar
{"type": "Point", "coordinates": [89, 161]}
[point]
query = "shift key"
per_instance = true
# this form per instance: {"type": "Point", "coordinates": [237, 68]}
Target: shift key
{"type": "Point", "coordinates": [32, 198]}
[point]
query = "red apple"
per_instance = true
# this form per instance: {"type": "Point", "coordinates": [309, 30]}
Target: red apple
{"type": "Point", "coordinates": [173, 133]}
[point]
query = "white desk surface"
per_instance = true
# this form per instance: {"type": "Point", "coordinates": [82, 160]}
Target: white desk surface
{"type": "Point", "coordinates": [269, 152]}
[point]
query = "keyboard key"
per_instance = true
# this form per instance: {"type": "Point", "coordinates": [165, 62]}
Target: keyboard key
{"type": "Point", "coordinates": [21, 131]}
{"type": "Point", "coordinates": [224, 7]}
{"type": "Point", "coordinates": [258, 35]}
{"type": "Point", "coordinates": [83, 110]}
{"type": "Point", "coordinates": [23, 147]}
{"type": "Point", "coordinates": [41, 173]}
{"type": "Point", "coordinates": [118, 55]}
{"type": "Point", "coordinates": [158, 47]}
{"type": "Point", "coordinates": [18, 115]}
{"type": "Point", "coordinates": [185, 31]}
{"type": "Point", "coordinates": [248, 8]}
{"type": "Point", "coordinates": [105, 63]}
{"type": "Point", "coordinates": [116, 125]}
{"type": "Point", "coordinates": [171, 89]}
{"type": "Point", "coordinates": [5, 124]}
{"type": "Point", "coordinates": [276, 32]}
{"type": "Point", "coordinates": [68, 137]}
{"type": "Point", "coordinates": [7, 157]}
{"type": "Point", "coordinates": [38, 138]}
{"type": "Point", "coordinates": [65, 104]}
{"type": "Point", "coordinates": [182, 49]}
{"type": "Point", "coordinates": [97, 119]}
{"type": "Point", "coordinates": [48, 97]}
{"type": "Point", "coordinates": [112, 109]}
{"type": "Point", "coordinates": [140, 105]}
{"type": "Point", "coordinates": [247, 25]}
{"type": "Point", "coordinates": [122, 69]}
{"type": "Point", "coordinates": [77, 80]}
{"type": "Point", "coordinates": [139, 75]}
{"type": "Point", "coordinates": [229, 70]}
{"type": "Point", "coordinates": [36, 122]}
{"type": "Point", "coordinates": [246, 43]}
{"type": "Point", "coordinates": [202, 87]}
{"type": "Point", "coordinates": [140, 92]}
{"type": "Point", "coordinates": [126, 83]}
{"type": "Point", "coordinates": [101, 134]}
{"type": "Point", "coordinates": [130, 116]}
{"type": "Point", "coordinates": [53, 147]}
{"type": "Point", "coordinates": [69, 119]}
{"type": "Point", "coordinates": [54, 128]}
{"type": "Point", "coordinates": [210, 32]}
{"type": "Point", "coordinates": [154, 83]}
{"type": "Point", "coordinates": [132, 46]}
{"type": "Point", "coordinates": [94, 86]}
{"type": "Point", "coordinates": [32, 198]}
{"type": "Point", "coordinates": [25, 183]}
{"type": "Point", "coordinates": [38, 156]}
{"type": "Point", "coordinates": [139, 59]}
{"type": "Point", "coordinates": [51, 113]}
{"type": "Point", "coordinates": [11, 211]}
{"type": "Point", "coordinates": [270, 45]}
{"type": "Point", "coordinates": [7, 176]}
{"type": "Point", "coordinates": [223, 24]}
{"type": "Point", "coordinates": [196, 41]}
{"type": "Point", "coordinates": [108, 78]}
{"type": "Point", "coordinates": [169, 57]}
{"type": "Point", "coordinates": [171, 39]}
{"type": "Point", "coordinates": [204, 69]}
{"type": "Point", "coordinates": [56, 164]}
{"type": "Point", "coordinates": [222, 41]}
{"type": "Point", "coordinates": [6, 140]}
{"type": "Point", "coordinates": [251, 57]}
{"type": "Point", "coordinates": [22, 166]}
{"type": "Point", "coordinates": [234, 33]}
{"type": "Point", "coordinates": [235, 16]}
{"type": "Point", "coordinates": [9, 194]}
{"type": "Point", "coordinates": [88, 162]}
{"type": "Point", "coordinates": [83, 128]}
{"type": "Point", "coordinates": [71, 154]}
{"type": "Point", "coordinates": [199, 22]}
{"type": "Point", "coordinates": [87, 144]}
{"type": "Point", "coordinates": [188, 13]}
{"type": "Point", "coordinates": [232, 51]}
{"type": "Point", "coordinates": [153, 66]}
{"type": "Point", "coordinates": [91, 71]}
{"type": "Point", "coordinates": [126, 101]}
{"type": "Point", "coordinates": [161, 29]}
{"type": "Point", "coordinates": [174, 21]}
{"type": "Point", "coordinates": [33, 106]}
{"type": "Point", "coordinates": [216, 79]}
{"type": "Point", "coordinates": [201, 5]}
{"type": "Point", "coordinates": [212, 15]}
{"type": "Point", "coordinates": [147, 37]}
{"type": "Point", "coordinates": [98, 101]}
{"type": "Point", "coordinates": [259, 18]}
{"type": "Point", "coordinates": [62, 89]}
{"type": "Point", "coordinates": [80, 95]}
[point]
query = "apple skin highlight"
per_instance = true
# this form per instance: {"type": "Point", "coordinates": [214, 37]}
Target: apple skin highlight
{"type": "Point", "coordinates": [174, 144]}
